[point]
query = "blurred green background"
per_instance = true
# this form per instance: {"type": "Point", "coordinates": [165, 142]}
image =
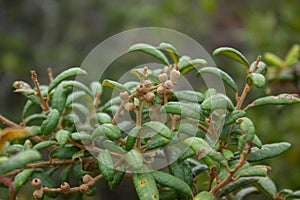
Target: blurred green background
{"type": "Point", "coordinates": [59, 34]}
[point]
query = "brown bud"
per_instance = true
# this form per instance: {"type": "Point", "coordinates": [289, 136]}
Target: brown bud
{"type": "Point", "coordinates": [149, 96]}
{"type": "Point", "coordinates": [124, 96]}
{"type": "Point", "coordinates": [163, 77]}
{"type": "Point", "coordinates": [139, 89]}
{"type": "Point", "coordinates": [166, 69]}
{"type": "Point", "coordinates": [36, 183]}
{"type": "Point", "coordinates": [147, 83]}
{"type": "Point", "coordinates": [129, 106]}
{"type": "Point", "coordinates": [174, 75]}
{"type": "Point", "coordinates": [38, 194]}
{"type": "Point", "coordinates": [86, 178]}
{"type": "Point", "coordinates": [65, 187]}
{"type": "Point", "coordinates": [169, 84]}
{"type": "Point", "coordinates": [160, 90]}
{"type": "Point", "coordinates": [84, 188]}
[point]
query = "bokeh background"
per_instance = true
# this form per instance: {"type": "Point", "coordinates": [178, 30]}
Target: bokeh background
{"type": "Point", "coordinates": [59, 34]}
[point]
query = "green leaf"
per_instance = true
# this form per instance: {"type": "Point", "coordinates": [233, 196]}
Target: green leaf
{"type": "Point", "coordinates": [258, 80]}
{"type": "Point", "coordinates": [59, 98]}
{"type": "Point", "coordinates": [78, 85]}
{"type": "Point", "coordinates": [261, 68]}
{"type": "Point", "coordinates": [220, 73]}
{"type": "Point", "coordinates": [113, 147]}
{"type": "Point", "coordinates": [182, 171]}
{"type": "Point", "coordinates": [166, 193]}
{"type": "Point", "coordinates": [172, 182]}
{"type": "Point", "coordinates": [267, 151]}
{"type": "Point", "coordinates": [248, 132]}
{"type": "Point", "coordinates": [21, 178]}
{"type": "Point", "coordinates": [19, 160]}
{"type": "Point", "coordinates": [135, 159]}
{"type": "Point", "coordinates": [292, 56]}
{"type": "Point", "coordinates": [266, 186]}
{"type": "Point", "coordinates": [273, 59]}
{"type": "Point", "coordinates": [114, 85]}
{"type": "Point", "coordinates": [34, 117]}
{"type": "Point", "coordinates": [233, 116]}
{"type": "Point", "coordinates": [79, 136]}
{"type": "Point", "coordinates": [227, 154]}
{"type": "Point", "coordinates": [282, 99]}
{"type": "Point", "coordinates": [65, 75]}
{"type": "Point", "coordinates": [49, 125]}
{"type": "Point", "coordinates": [150, 50]}
{"type": "Point", "coordinates": [232, 53]}
{"type": "Point", "coordinates": [112, 132]}
{"type": "Point", "coordinates": [170, 49]}
{"type": "Point", "coordinates": [118, 177]}
{"type": "Point", "coordinates": [96, 88]}
{"type": "Point", "coordinates": [257, 170]}
{"type": "Point", "coordinates": [101, 118]}
{"type": "Point", "coordinates": [65, 152]}
{"type": "Point", "coordinates": [157, 141]}
{"type": "Point", "coordinates": [243, 193]}
{"type": "Point", "coordinates": [159, 128]}
{"type": "Point", "coordinates": [62, 136]}
{"type": "Point", "coordinates": [189, 96]}
{"type": "Point", "coordinates": [145, 186]}
{"type": "Point", "coordinates": [106, 165]}
{"type": "Point", "coordinates": [238, 184]}
{"type": "Point", "coordinates": [81, 108]}
{"type": "Point", "coordinates": [218, 101]}
{"type": "Point", "coordinates": [184, 109]}
{"type": "Point", "coordinates": [75, 96]}
{"type": "Point", "coordinates": [132, 136]}
{"type": "Point", "coordinates": [188, 65]}
{"type": "Point", "coordinates": [204, 195]}
{"type": "Point", "coordinates": [26, 108]}
{"type": "Point", "coordinates": [44, 144]}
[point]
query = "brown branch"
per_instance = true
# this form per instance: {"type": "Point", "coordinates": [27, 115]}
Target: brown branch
{"type": "Point", "coordinates": [9, 123]}
{"type": "Point", "coordinates": [44, 101]}
{"type": "Point", "coordinates": [116, 116]}
{"type": "Point", "coordinates": [50, 75]}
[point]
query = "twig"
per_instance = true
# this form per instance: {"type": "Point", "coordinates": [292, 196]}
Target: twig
{"type": "Point", "coordinates": [9, 123]}
{"type": "Point", "coordinates": [51, 163]}
{"type": "Point", "coordinates": [116, 116]}
{"type": "Point", "coordinates": [50, 75]}
{"type": "Point", "coordinates": [44, 101]}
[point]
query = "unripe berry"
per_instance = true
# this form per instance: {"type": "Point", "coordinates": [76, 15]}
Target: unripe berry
{"type": "Point", "coordinates": [124, 96]}
{"type": "Point", "coordinates": [163, 77]}
{"type": "Point", "coordinates": [149, 96]}
{"type": "Point", "coordinates": [38, 194]}
{"type": "Point", "coordinates": [36, 183]}
{"type": "Point", "coordinates": [147, 83]}
{"type": "Point", "coordinates": [169, 84]}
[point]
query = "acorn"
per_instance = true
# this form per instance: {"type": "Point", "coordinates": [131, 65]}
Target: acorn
{"type": "Point", "coordinates": [124, 96]}
{"type": "Point", "coordinates": [149, 96]}
{"type": "Point", "coordinates": [163, 77]}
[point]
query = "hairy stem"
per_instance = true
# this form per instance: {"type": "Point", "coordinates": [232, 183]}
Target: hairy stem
{"type": "Point", "coordinates": [44, 101]}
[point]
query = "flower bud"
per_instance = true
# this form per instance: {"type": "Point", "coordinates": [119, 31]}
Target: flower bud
{"type": "Point", "coordinates": [86, 178]}
{"type": "Point", "coordinates": [174, 75]}
{"type": "Point", "coordinates": [129, 106]}
{"type": "Point", "coordinates": [149, 96]}
{"type": "Point", "coordinates": [65, 187]}
{"type": "Point", "coordinates": [139, 88]}
{"type": "Point", "coordinates": [36, 183]}
{"type": "Point", "coordinates": [169, 84]}
{"type": "Point", "coordinates": [160, 90]}
{"type": "Point", "coordinates": [124, 96]}
{"type": "Point", "coordinates": [163, 77]}
{"type": "Point", "coordinates": [84, 188]}
{"type": "Point", "coordinates": [38, 194]}
{"type": "Point", "coordinates": [147, 83]}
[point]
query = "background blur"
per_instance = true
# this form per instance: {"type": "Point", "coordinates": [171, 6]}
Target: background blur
{"type": "Point", "coordinates": [59, 34]}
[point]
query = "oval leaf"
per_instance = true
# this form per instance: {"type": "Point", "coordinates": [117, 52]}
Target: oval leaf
{"type": "Point", "coordinates": [218, 101]}
{"type": "Point", "coordinates": [21, 178]}
{"type": "Point", "coordinates": [134, 158]}
{"type": "Point", "coordinates": [112, 132]}
{"type": "Point", "coordinates": [106, 165]}
{"type": "Point", "coordinates": [159, 128]}
{"type": "Point", "coordinates": [50, 123]}
{"type": "Point", "coordinates": [258, 80]}
{"type": "Point", "coordinates": [204, 196]}
{"type": "Point", "coordinates": [170, 49]}
{"type": "Point", "coordinates": [282, 99]}
{"type": "Point", "coordinates": [65, 75]}
{"type": "Point", "coordinates": [145, 186]}
{"type": "Point", "coordinates": [115, 85]}
{"type": "Point", "coordinates": [273, 59]}
{"type": "Point", "coordinates": [150, 50]}
{"type": "Point", "coordinates": [232, 53]}
{"type": "Point", "coordinates": [189, 65]}
{"type": "Point", "coordinates": [132, 136]}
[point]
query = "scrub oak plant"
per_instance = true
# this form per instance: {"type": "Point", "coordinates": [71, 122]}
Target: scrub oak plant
{"type": "Point", "coordinates": [208, 146]}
